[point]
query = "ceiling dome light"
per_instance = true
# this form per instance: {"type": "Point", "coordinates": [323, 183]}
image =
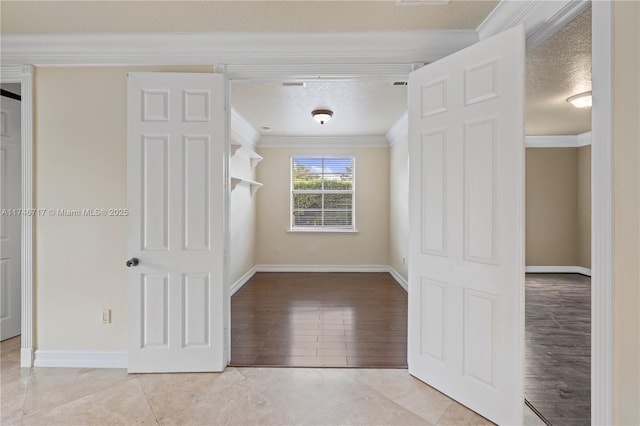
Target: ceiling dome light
{"type": "Point", "coordinates": [581, 100]}
{"type": "Point", "coordinates": [322, 115]}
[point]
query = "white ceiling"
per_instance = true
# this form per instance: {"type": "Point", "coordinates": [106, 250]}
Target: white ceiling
{"type": "Point", "coordinates": [361, 108]}
{"type": "Point", "coordinates": [558, 68]}
{"type": "Point", "coordinates": [219, 15]}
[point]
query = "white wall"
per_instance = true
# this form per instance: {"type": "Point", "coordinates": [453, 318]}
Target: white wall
{"type": "Point", "coordinates": [242, 216]}
{"type": "Point", "coordinates": [399, 205]}
{"type": "Point", "coordinates": [370, 246]}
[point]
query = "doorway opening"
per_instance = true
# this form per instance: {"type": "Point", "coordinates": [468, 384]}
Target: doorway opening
{"type": "Point", "coordinates": [312, 212]}
{"type": "Point", "coordinates": [558, 198]}
{"type": "Point", "coordinates": [11, 208]}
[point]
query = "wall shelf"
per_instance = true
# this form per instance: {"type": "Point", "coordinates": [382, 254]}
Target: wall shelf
{"type": "Point", "coordinates": [254, 157]}
{"type": "Point", "coordinates": [253, 186]}
{"type": "Point", "coordinates": [235, 146]}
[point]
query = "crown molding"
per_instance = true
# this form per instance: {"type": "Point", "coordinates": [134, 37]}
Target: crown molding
{"type": "Point", "coordinates": [558, 141]}
{"type": "Point", "coordinates": [323, 142]}
{"type": "Point", "coordinates": [540, 18]}
{"type": "Point", "coordinates": [242, 131]}
{"type": "Point", "coordinates": [399, 129]}
{"type": "Point", "coordinates": [386, 47]}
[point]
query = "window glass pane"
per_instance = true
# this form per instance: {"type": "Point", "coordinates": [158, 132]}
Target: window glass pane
{"type": "Point", "coordinates": [307, 173]}
{"type": "Point", "coordinates": [337, 201]}
{"type": "Point", "coordinates": [307, 218]}
{"type": "Point", "coordinates": [338, 219]}
{"type": "Point", "coordinates": [331, 183]}
{"type": "Point", "coordinates": [307, 201]}
{"type": "Point", "coordinates": [338, 173]}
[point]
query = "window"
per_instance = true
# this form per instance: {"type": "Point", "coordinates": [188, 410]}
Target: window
{"type": "Point", "coordinates": [322, 193]}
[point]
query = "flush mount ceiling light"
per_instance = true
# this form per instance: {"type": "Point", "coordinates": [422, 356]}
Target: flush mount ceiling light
{"type": "Point", "coordinates": [581, 100]}
{"type": "Point", "coordinates": [322, 115]}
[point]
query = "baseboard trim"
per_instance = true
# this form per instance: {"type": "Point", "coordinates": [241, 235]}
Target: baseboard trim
{"type": "Point", "coordinates": [322, 268]}
{"type": "Point", "coordinates": [26, 357]}
{"type": "Point", "coordinates": [558, 270]}
{"type": "Point", "coordinates": [399, 279]}
{"type": "Point", "coordinates": [242, 281]}
{"type": "Point", "coordinates": [80, 359]}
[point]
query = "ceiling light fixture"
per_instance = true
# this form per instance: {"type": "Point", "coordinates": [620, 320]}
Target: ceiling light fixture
{"type": "Point", "coordinates": [581, 100]}
{"type": "Point", "coordinates": [322, 115]}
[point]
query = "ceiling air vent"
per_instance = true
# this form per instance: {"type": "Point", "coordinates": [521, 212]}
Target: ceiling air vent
{"type": "Point", "coordinates": [293, 84]}
{"type": "Point", "coordinates": [399, 83]}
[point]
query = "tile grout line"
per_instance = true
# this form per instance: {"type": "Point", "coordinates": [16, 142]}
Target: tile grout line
{"type": "Point", "coordinates": [146, 397]}
{"type": "Point", "coordinates": [400, 405]}
{"type": "Point", "coordinates": [26, 390]}
{"type": "Point", "coordinates": [39, 411]}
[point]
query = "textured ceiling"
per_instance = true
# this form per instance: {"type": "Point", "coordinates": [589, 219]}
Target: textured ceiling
{"type": "Point", "coordinates": [361, 108]}
{"type": "Point", "coordinates": [199, 16]}
{"type": "Point", "coordinates": [558, 68]}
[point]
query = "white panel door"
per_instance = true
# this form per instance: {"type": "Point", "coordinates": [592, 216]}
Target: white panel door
{"type": "Point", "coordinates": [176, 159]}
{"type": "Point", "coordinates": [10, 204]}
{"type": "Point", "coordinates": [466, 274]}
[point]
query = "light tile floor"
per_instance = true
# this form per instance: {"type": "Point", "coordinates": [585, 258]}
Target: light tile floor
{"type": "Point", "coordinates": [243, 396]}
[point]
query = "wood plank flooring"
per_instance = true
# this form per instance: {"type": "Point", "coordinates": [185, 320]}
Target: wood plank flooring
{"type": "Point", "coordinates": [558, 347]}
{"type": "Point", "coordinates": [320, 320]}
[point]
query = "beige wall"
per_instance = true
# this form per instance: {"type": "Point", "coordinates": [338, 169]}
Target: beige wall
{"type": "Point", "coordinates": [370, 246]}
{"type": "Point", "coordinates": [583, 242]}
{"type": "Point", "coordinates": [627, 213]}
{"type": "Point", "coordinates": [399, 206]}
{"type": "Point", "coordinates": [551, 206]}
{"type": "Point", "coordinates": [80, 162]}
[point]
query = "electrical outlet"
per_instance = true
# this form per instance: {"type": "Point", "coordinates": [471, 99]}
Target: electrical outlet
{"type": "Point", "coordinates": [404, 261]}
{"type": "Point", "coordinates": [312, 250]}
{"type": "Point", "coordinates": [106, 316]}
{"type": "Point", "coordinates": [277, 250]}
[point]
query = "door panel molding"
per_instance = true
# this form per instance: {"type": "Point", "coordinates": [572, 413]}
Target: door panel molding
{"type": "Point", "coordinates": [177, 155]}
{"type": "Point", "coordinates": [468, 341]}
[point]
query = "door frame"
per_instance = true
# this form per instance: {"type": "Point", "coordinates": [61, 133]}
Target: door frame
{"type": "Point", "coordinates": [22, 50]}
{"type": "Point", "coordinates": [23, 74]}
{"type": "Point", "coordinates": [602, 214]}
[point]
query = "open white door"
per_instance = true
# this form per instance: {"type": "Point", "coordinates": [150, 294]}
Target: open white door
{"type": "Point", "coordinates": [176, 168]}
{"type": "Point", "coordinates": [10, 204]}
{"type": "Point", "coordinates": [466, 275]}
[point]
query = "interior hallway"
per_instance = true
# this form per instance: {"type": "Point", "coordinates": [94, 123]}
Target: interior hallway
{"type": "Point", "coordinates": [242, 396]}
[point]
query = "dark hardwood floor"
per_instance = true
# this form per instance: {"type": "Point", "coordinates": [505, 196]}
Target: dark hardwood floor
{"type": "Point", "coordinates": [558, 347]}
{"type": "Point", "coordinates": [320, 320]}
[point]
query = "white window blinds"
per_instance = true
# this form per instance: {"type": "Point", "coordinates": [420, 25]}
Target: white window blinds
{"type": "Point", "coordinates": [322, 193]}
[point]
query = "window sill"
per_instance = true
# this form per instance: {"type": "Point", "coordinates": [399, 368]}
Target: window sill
{"type": "Point", "coordinates": [322, 231]}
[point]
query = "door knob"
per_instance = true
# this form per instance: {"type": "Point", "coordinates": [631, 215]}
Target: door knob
{"type": "Point", "coordinates": [132, 262]}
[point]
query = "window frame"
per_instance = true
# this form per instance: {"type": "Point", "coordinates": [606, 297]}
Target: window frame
{"type": "Point", "coordinates": [322, 228]}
